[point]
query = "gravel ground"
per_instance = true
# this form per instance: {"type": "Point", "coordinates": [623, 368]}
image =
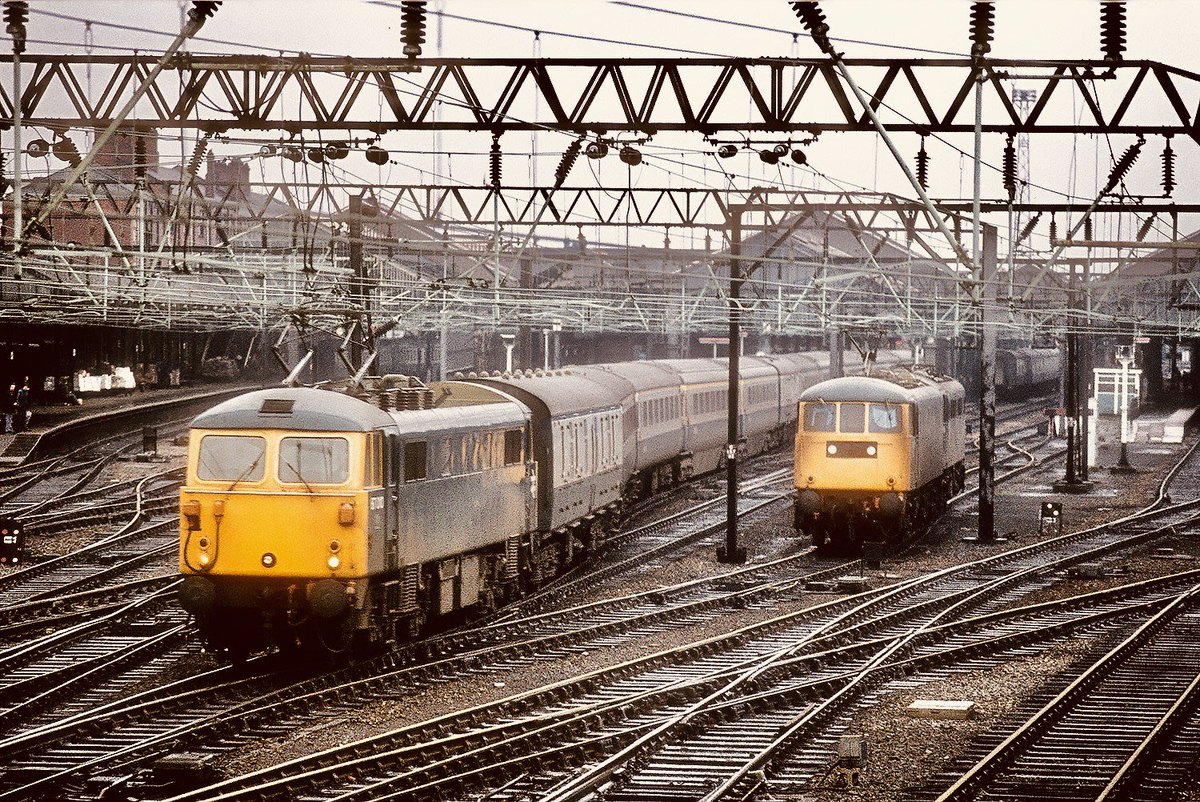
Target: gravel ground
{"type": "Point", "coordinates": [904, 750]}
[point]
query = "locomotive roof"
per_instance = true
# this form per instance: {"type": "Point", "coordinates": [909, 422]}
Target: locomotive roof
{"type": "Point", "coordinates": [898, 386]}
{"type": "Point", "coordinates": [302, 408]}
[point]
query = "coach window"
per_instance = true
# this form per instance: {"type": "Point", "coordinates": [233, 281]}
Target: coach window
{"type": "Point", "coordinates": [884, 419]}
{"type": "Point", "coordinates": [852, 418]}
{"type": "Point", "coordinates": [416, 455]}
{"type": "Point", "coordinates": [818, 417]}
{"type": "Point", "coordinates": [512, 447]}
{"type": "Point", "coordinates": [314, 460]}
{"type": "Point", "coordinates": [231, 458]}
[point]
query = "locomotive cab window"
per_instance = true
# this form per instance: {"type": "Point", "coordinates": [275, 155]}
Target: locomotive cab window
{"type": "Point", "coordinates": [231, 458]}
{"type": "Point", "coordinates": [314, 460]}
{"type": "Point", "coordinates": [884, 419]}
{"type": "Point", "coordinates": [819, 417]}
{"type": "Point", "coordinates": [852, 419]}
{"type": "Point", "coordinates": [416, 457]}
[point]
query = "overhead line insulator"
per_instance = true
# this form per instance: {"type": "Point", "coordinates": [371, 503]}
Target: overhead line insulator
{"type": "Point", "coordinates": [412, 33]}
{"type": "Point", "coordinates": [203, 9]}
{"type": "Point", "coordinates": [813, 20]}
{"type": "Point", "coordinates": [494, 161]}
{"type": "Point", "coordinates": [1028, 229]}
{"type": "Point", "coordinates": [139, 156]}
{"type": "Point", "coordinates": [1112, 30]}
{"type": "Point", "coordinates": [1010, 168]}
{"type": "Point", "coordinates": [1123, 164]}
{"type": "Point", "coordinates": [64, 149]}
{"type": "Point", "coordinates": [1087, 228]}
{"type": "Point", "coordinates": [197, 159]}
{"type": "Point", "coordinates": [16, 14]}
{"type": "Point", "coordinates": [1168, 169]}
{"type": "Point", "coordinates": [567, 162]}
{"type": "Point", "coordinates": [1144, 229]}
{"type": "Point", "coordinates": [923, 166]}
{"type": "Point", "coordinates": [1053, 228]}
{"type": "Point", "coordinates": [983, 28]}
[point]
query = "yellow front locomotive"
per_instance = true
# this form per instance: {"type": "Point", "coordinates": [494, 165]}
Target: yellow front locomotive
{"type": "Point", "coordinates": [877, 457]}
{"type": "Point", "coordinates": [275, 515]}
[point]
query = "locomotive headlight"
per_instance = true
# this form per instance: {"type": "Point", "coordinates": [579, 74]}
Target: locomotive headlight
{"type": "Point", "coordinates": [333, 562]}
{"type": "Point", "coordinates": [204, 559]}
{"type": "Point", "coordinates": [268, 560]}
{"type": "Point", "coordinates": [345, 513]}
{"type": "Point", "coordinates": [870, 451]}
{"type": "Point", "coordinates": [831, 449]}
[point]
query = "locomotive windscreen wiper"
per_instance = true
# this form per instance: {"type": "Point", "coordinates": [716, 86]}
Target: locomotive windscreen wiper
{"type": "Point", "coordinates": [296, 471]}
{"type": "Point", "coordinates": [249, 470]}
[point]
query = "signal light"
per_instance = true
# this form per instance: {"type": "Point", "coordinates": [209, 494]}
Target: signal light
{"type": "Point", "coordinates": [37, 148]}
{"type": "Point", "coordinates": [799, 157]}
{"type": "Point", "coordinates": [293, 153]}
{"type": "Point", "coordinates": [630, 155]}
{"type": "Point", "coordinates": [727, 151]}
{"type": "Point", "coordinates": [596, 150]}
{"type": "Point", "coordinates": [316, 155]}
{"type": "Point", "coordinates": [337, 150]}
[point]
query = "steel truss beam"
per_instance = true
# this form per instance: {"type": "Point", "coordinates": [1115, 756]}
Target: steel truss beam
{"type": "Point", "coordinates": [439, 205]}
{"type": "Point", "coordinates": [639, 96]}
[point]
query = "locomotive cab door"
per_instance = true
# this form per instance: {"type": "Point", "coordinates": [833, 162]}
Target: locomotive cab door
{"type": "Point", "coordinates": [393, 459]}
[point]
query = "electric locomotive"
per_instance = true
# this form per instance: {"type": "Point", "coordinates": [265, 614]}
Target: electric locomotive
{"type": "Point", "coordinates": [877, 457]}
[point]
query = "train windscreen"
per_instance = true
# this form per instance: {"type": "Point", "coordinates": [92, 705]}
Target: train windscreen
{"type": "Point", "coordinates": [230, 457]}
{"type": "Point", "coordinates": [314, 460]}
{"type": "Point", "coordinates": [819, 417]}
{"type": "Point", "coordinates": [853, 418]}
{"type": "Point", "coordinates": [884, 419]}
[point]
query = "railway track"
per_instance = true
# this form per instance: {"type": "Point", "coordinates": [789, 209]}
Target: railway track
{"type": "Point", "coordinates": [493, 647]}
{"type": "Point", "coordinates": [894, 616]}
{"type": "Point", "coordinates": [1095, 739]}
